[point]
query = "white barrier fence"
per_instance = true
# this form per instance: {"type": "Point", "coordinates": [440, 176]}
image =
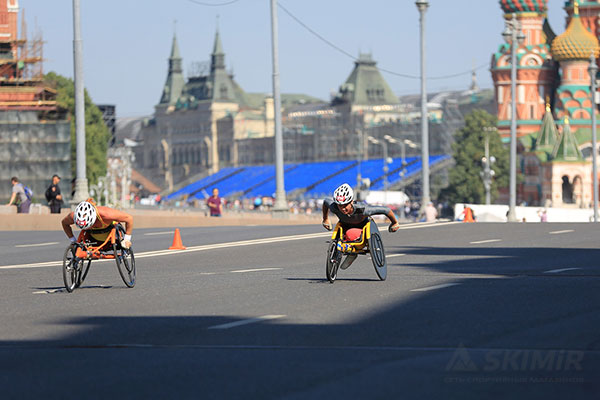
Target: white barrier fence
{"type": "Point", "coordinates": [497, 213]}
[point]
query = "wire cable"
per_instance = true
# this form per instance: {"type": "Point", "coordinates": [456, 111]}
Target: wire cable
{"type": "Point", "coordinates": [201, 3]}
{"type": "Point", "coordinates": [329, 43]}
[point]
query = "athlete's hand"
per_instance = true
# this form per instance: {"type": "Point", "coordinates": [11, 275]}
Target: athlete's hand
{"type": "Point", "coordinates": [72, 239]}
{"type": "Point", "coordinates": [126, 242]}
{"type": "Point", "coordinates": [327, 224]}
{"type": "Point", "coordinates": [394, 227]}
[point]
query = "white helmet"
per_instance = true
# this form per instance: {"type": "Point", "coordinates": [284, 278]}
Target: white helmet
{"type": "Point", "coordinates": [85, 215]}
{"type": "Point", "coordinates": [343, 194]}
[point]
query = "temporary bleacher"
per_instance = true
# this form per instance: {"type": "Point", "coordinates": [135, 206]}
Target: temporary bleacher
{"type": "Point", "coordinates": [308, 180]}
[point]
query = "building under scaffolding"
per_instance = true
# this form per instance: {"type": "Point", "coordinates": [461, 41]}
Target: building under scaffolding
{"type": "Point", "coordinates": [34, 133]}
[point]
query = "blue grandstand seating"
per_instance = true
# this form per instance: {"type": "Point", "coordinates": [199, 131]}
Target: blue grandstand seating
{"type": "Point", "coordinates": [310, 180]}
{"type": "Point", "coordinates": [301, 177]}
{"type": "Point", "coordinates": [202, 183]}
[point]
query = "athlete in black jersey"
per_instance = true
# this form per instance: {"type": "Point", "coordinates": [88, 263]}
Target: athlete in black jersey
{"type": "Point", "coordinates": [353, 216]}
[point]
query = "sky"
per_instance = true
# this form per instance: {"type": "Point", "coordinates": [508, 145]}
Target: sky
{"type": "Point", "coordinates": [127, 43]}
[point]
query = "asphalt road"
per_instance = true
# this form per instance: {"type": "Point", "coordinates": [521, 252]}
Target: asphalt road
{"type": "Point", "coordinates": [468, 310]}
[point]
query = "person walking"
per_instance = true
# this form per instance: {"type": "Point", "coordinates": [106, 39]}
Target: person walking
{"type": "Point", "coordinates": [214, 203]}
{"type": "Point", "coordinates": [54, 196]}
{"type": "Point", "coordinates": [19, 197]}
{"type": "Point", "coordinates": [430, 212]}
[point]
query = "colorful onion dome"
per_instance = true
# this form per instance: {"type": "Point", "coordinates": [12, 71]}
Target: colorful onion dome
{"type": "Point", "coordinates": [520, 6]}
{"type": "Point", "coordinates": [576, 43]}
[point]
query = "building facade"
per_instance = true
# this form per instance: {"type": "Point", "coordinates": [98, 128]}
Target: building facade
{"type": "Point", "coordinates": [553, 101]}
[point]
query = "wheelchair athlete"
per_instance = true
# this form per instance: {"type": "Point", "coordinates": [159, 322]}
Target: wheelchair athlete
{"type": "Point", "coordinates": [353, 216]}
{"type": "Point", "coordinates": [97, 221]}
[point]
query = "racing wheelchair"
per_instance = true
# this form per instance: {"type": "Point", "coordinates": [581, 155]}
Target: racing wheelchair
{"type": "Point", "coordinates": [369, 242]}
{"type": "Point", "coordinates": [79, 256]}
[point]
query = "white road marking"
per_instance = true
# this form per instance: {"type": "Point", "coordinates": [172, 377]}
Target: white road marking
{"type": "Point", "coordinates": [36, 244]}
{"type": "Point", "coordinates": [158, 233]}
{"type": "Point", "coordinates": [255, 270]}
{"type": "Point", "coordinates": [246, 322]}
{"type": "Point", "coordinates": [565, 231]}
{"type": "Point", "coordinates": [50, 291]}
{"type": "Point", "coordinates": [395, 255]}
{"type": "Point", "coordinates": [556, 271]}
{"type": "Point", "coordinates": [167, 252]}
{"type": "Point", "coordinates": [443, 285]}
{"type": "Point", "coordinates": [207, 273]}
{"type": "Point", "coordinates": [486, 241]}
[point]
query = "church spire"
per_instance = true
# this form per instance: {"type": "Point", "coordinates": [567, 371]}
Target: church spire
{"type": "Point", "coordinates": [175, 81]}
{"type": "Point", "coordinates": [217, 57]}
{"type": "Point", "coordinates": [547, 135]}
{"type": "Point", "coordinates": [566, 148]}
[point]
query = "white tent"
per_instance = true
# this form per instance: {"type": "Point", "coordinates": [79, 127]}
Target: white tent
{"type": "Point", "coordinates": [386, 197]}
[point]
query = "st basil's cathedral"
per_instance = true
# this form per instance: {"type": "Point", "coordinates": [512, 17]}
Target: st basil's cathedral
{"type": "Point", "coordinates": [553, 101]}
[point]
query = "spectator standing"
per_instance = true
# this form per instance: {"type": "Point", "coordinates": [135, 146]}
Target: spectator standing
{"type": "Point", "coordinates": [19, 197]}
{"type": "Point", "coordinates": [431, 212]}
{"type": "Point", "coordinates": [54, 196]}
{"type": "Point", "coordinates": [214, 203]}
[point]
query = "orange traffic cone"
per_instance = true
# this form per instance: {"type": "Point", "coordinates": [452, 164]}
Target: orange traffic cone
{"type": "Point", "coordinates": [177, 245]}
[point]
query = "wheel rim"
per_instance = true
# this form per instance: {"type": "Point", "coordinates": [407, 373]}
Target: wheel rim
{"type": "Point", "coordinates": [70, 270]}
{"type": "Point", "coordinates": [378, 256]}
{"type": "Point", "coordinates": [126, 265]}
{"type": "Point", "coordinates": [333, 261]}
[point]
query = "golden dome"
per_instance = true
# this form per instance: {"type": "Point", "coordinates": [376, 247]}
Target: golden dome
{"type": "Point", "coordinates": [576, 43]}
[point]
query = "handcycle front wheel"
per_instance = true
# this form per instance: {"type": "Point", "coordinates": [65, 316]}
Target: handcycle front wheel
{"type": "Point", "coordinates": [72, 268]}
{"type": "Point", "coordinates": [334, 258]}
{"type": "Point", "coordinates": [125, 264]}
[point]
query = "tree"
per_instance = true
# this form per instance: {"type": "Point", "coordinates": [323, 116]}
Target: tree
{"type": "Point", "coordinates": [465, 183]}
{"type": "Point", "coordinates": [96, 132]}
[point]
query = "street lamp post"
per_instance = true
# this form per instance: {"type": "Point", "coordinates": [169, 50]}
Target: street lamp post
{"type": "Point", "coordinates": [422, 6]}
{"type": "Point", "coordinates": [280, 205]}
{"type": "Point", "coordinates": [403, 143]}
{"type": "Point", "coordinates": [593, 70]}
{"type": "Point", "coordinates": [513, 35]}
{"type": "Point", "coordinates": [488, 173]}
{"type": "Point", "coordinates": [81, 182]}
{"type": "Point", "coordinates": [385, 164]}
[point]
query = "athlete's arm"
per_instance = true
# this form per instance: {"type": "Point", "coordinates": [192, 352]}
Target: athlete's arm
{"type": "Point", "coordinates": [12, 198]}
{"type": "Point", "coordinates": [382, 210]}
{"type": "Point", "coordinates": [326, 224]}
{"type": "Point", "coordinates": [109, 214]}
{"type": "Point", "coordinates": [67, 221]}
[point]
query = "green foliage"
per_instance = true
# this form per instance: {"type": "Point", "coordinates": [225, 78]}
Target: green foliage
{"type": "Point", "coordinates": [96, 132]}
{"type": "Point", "coordinates": [465, 182]}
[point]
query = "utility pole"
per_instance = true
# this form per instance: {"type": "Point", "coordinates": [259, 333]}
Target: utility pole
{"type": "Point", "coordinates": [280, 205]}
{"type": "Point", "coordinates": [422, 5]}
{"type": "Point", "coordinates": [81, 182]}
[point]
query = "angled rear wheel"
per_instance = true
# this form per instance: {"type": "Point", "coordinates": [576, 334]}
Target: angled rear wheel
{"type": "Point", "coordinates": [378, 255]}
{"type": "Point", "coordinates": [125, 264]}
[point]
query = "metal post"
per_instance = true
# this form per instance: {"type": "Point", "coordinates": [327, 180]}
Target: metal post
{"type": "Point", "coordinates": [385, 171]}
{"type": "Point", "coordinates": [422, 5]}
{"type": "Point", "coordinates": [81, 183]}
{"type": "Point", "coordinates": [280, 205]}
{"type": "Point", "coordinates": [593, 69]}
{"type": "Point", "coordinates": [512, 212]}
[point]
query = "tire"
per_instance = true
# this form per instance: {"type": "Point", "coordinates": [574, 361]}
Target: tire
{"type": "Point", "coordinates": [84, 271]}
{"type": "Point", "coordinates": [378, 255]}
{"type": "Point", "coordinates": [71, 269]}
{"type": "Point", "coordinates": [334, 258]}
{"type": "Point", "coordinates": [125, 264]}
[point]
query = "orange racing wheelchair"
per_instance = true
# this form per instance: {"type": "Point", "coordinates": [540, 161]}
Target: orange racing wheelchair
{"type": "Point", "coordinates": [79, 256]}
{"type": "Point", "coordinates": [369, 242]}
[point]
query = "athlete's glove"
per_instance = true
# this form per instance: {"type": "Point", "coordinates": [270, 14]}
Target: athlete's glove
{"type": "Point", "coordinates": [393, 227]}
{"type": "Point", "coordinates": [72, 239]}
{"type": "Point", "coordinates": [327, 225]}
{"type": "Point", "coordinates": [126, 242]}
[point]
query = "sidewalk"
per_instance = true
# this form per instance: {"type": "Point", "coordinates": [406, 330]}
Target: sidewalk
{"type": "Point", "coordinates": [44, 221]}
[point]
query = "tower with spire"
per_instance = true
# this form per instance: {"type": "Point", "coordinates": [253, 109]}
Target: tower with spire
{"type": "Point", "coordinates": [536, 70]}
